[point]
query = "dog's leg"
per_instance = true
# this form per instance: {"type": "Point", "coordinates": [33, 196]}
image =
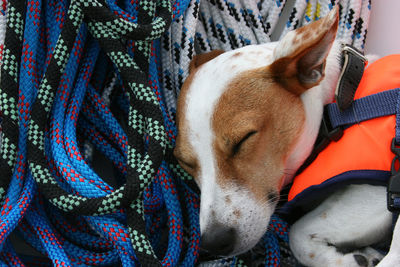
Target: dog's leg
{"type": "Point", "coordinates": [393, 257]}
{"type": "Point", "coordinates": [331, 234]}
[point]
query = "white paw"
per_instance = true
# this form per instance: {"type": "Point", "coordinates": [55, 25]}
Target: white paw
{"type": "Point", "coordinates": [367, 257]}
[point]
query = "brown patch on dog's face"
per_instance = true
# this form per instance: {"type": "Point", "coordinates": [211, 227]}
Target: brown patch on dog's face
{"type": "Point", "coordinates": [255, 124]}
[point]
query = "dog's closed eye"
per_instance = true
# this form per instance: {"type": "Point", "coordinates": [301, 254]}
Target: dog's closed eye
{"type": "Point", "coordinates": [189, 167]}
{"type": "Point", "coordinates": [238, 145]}
{"type": "Point", "coordinates": [185, 160]}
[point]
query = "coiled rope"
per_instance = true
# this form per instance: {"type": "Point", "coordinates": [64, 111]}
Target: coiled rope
{"type": "Point", "coordinates": [226, 25]}
{"type": "Point", "coordinates": [99, 75]}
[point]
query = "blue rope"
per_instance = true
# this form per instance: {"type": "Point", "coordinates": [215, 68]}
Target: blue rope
{"type": "Point", "coordinates": [8, 255]}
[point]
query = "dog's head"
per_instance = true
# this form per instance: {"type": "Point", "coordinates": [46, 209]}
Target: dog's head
{"type": "Point", "coordinates": [241, 119]}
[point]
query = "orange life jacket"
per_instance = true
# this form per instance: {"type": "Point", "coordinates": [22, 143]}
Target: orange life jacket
{"type": "Point", "coordinates": [363, 154]}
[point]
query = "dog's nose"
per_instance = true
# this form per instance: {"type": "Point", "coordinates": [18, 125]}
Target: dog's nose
{"type": "Point", "coordinates": [219, 240]}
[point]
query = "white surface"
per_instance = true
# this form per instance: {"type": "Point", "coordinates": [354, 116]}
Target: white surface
{"type": "Point", "coordinates": [383, 36]}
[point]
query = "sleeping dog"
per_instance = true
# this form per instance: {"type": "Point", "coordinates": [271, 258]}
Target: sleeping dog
{"type": "Point", "coordinates": [247, 120]}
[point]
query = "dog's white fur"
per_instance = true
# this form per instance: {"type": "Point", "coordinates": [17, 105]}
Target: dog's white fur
{"type": "Point", "coordinates": [200, 103]}
{"type": "Point", "coordinates": [355, 216]}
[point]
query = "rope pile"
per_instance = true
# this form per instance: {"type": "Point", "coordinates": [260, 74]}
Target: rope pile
{"type": "Point", "coordinates": [219, 24]}
{"type": "Point", "coordinates": [89, 81]}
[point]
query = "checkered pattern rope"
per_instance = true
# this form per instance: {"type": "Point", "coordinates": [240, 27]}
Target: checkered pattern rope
{"type": "Point", "coordinates": [53, 65]}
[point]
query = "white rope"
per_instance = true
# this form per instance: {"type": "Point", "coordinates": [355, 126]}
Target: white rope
{"type": "Point", "coordinates": [167, 53]}
{"type": "Point", "coordinates": [235, 23]}
{"type": "Point", "coordinates": [271, 20]}
{"type": "Point", "coordinates": [362, 26]}
{"type": "Point", "coordinates": [352, 14]}
{"type": "Point", "coordinates": [189, 29]}
{"type": "Point", "coordinates": [209, 25]}
{"type": "Point", "coordinates": [343, 9]}
{"type": "Point", "coordinates": [3, 25]}
{"type": "Point", "coordinates": [309, 14]}
{"type": "Point", "coordinates": [265, 6]}
{"type": "Point", "coordinates": [295, 17]}
{"type": "Point", "coordinates": [229, 24]}
{"type": "Point", "coordinates": [177, 49]}
{"type": "Point", "coordinates": [202, 42]}
{"type": "Point", "coordinates": [325, 7]}
{"type": "Point", "coordinates": [176, 38]}
{"type": "Point", "coordinates": [258, 28]}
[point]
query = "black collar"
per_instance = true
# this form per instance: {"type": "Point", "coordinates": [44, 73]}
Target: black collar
{"type": "Point", "coordinates": [353, 63]}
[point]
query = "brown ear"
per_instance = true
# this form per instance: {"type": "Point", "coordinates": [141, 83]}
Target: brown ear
{"type": "Point", "coordinates": [300, 56]}
{"type": "Point", "coordinates": [200, 59]}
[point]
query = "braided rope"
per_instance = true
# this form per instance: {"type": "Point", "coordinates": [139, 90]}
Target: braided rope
{"type": "Point", "coordinates": [228, 25]}
{"type": "Point", "coordinates": [81, 78]}
{"type": "Point", "coordinates": [360, 30]}
{"type": "Point", "coordinates": [309, 15]}
{"type": "Point", "coordinates": [273, 15]}
{"type": "Point", "coordinates": [3, 25]}
{"type": "Point", "coordinates": [295, 17]}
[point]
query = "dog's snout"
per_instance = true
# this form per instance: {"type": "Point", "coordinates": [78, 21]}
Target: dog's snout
{"type": "Point", "coordinates": [219, 240]}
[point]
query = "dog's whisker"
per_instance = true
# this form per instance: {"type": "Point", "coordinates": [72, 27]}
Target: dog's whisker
{"type": "Point", "coordinates": [270, 202]}
{"type": "Point", "coordinates": [289, 172]}
{"type": "Point", "coordinates": [283, 195]}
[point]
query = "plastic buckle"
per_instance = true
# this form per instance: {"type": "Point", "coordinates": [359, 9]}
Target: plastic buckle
{"type": "Point", "coordinates": [327, 130]}
{"type": "Point", "coordinates": [326, 135]}
{"type": "Point", "coordinates": [393, 189]}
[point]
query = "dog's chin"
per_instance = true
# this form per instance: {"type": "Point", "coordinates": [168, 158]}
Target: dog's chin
{"type": "Point", "coordinates": [245, 245]}
{"type": "Point", "coordinates": [241, 250]}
